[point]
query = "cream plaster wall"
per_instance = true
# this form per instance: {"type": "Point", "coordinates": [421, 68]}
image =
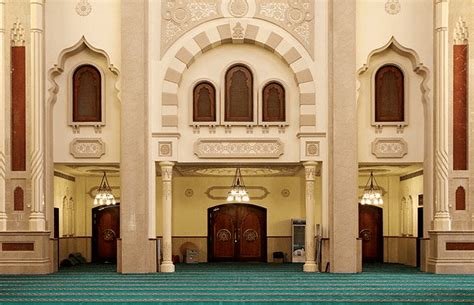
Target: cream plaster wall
{"type": "Point", "coordinates": [64, 190]}
{"type": "Point", "coordinates": [190, 213]}
{"type": "Point", "coordinates": [85, 203]}
{"type": "Point", "coordinates": [63, 134]}
{"type": "Point", "coordinates": [413, 187]}
{"type": "Point", "coordinates": [64, 28]}
{"type": "Point", "coordinates": [413, 133]}
{"type": "Point", "coordinates": [212, 66]}
{"type": "Point", "coordinates": [413, 30]}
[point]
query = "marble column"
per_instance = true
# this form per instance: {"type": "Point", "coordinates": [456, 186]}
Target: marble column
{"type": "Point", "coordinates": [309, 245]}
{"type": "Point", "coordinates": [442, 220]}
{"type": "Point", "coordinates": [166, 175]}
{"type": "Point", "coordinates": [37, 219]}
{"type": "Point", "coordinates": [3, 214]}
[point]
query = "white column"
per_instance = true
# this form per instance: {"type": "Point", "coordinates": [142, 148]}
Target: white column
{"type": "Point", "coordinates": [166, 175]}
{"type": "Point", "coordinates": [37, 219]}
{"type": "Point", "coordinates": [3, 214]}
{"type": "Point", "coordinates": [442, 220]}
{"type": "Point", "coordinates": [310, 248]}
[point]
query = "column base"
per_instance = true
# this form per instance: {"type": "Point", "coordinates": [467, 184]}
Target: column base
{"type": "Point", "coordinates": [442, 222]}
{"type": "Point", "coordinates": [167, 267]}
{"type": "Point", "coordinates": [3, 221]}
{"type": "Point", "coordinates": [310, 266]}
{"type": "Point", "coordinates": [37, 222]}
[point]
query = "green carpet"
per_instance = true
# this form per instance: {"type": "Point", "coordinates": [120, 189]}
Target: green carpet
{"type": "Point", "coordinates": [238, 283]}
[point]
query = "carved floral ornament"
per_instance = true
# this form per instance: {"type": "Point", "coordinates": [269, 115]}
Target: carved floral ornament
{"type": "Point", "coordinates": [238, 148]}
{"type": "Point", "coordinates": [87, 148]}
{"type": "Point", "coordinates": [389, 148]}
{"type": "Point", "coordinates": [295, 16]}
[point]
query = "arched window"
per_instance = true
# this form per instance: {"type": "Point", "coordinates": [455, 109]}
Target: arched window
{"type": "Point", "coordinates": [204, 102]}
{"type": "Point", "coordinates": [273, 103]}
{"type": "Point", "coordinates": [18, 199]}
{"type": "Point", "coordinates": [389, 94]}
{"type": "Point", "coordinates": [87, 94]}
{"type": "Point", "coordinates": [460, 198]}
{"type": "Point", "coordinates": [239, 94]}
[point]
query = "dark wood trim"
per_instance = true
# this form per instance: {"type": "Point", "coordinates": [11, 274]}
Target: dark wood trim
{"type": "Point", "coordinates": [410, 237]}
{"type": "Point", "coordinates": [266, 117]}
{"type": "Point", "coordinates": [460, 107]}
{"type": "Point", "coordinates": [229, 116]}
{"type": "Point", "coordinates": [18, 199]}
{"type": "Point", "coordinates": [382, 88]}
{"type": "Point", "coordinates": [411, 175]}
{"type": "Point", "coordinates": [18, 246]}
{"type": "Point", "coordinates": [18, 110]}
{"type": "Point", "coordinates": [460, 246]}
{"type": "Point", "coordinates": [211, 116]}
{"type": "Point", "coordinates": [96, 85]}
{"type": "Point", "coordinates": [64, 176]}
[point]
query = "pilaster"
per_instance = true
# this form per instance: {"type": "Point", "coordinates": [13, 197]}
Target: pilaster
{"type": "Point", "coordinates": [442, 220]}
{"type": "Point", "coordinates": [37, 219]}
{"type": "Point", "coordinates": [3, 214]}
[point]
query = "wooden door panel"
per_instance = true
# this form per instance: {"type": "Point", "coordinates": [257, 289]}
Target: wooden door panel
{"type": "Point", "coordinates": [371, 232]}
{"type": "Point", "coordinates": [223, 232]}
{"type": "Point", "coordinates": [249, 235]}
{"type": "Point", "coordinates": [237, 232]}
{"type": "Point", "coordinates": [106, 231]}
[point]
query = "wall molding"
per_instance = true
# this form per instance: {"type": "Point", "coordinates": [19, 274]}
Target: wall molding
{"type": "Point", "coordinates": [238, 148]}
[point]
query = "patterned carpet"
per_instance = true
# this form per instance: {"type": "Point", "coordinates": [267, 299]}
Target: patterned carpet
{"type": "Point", "coordinates": [238, 283]}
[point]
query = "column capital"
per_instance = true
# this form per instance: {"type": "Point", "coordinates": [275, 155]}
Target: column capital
{"type": "Point", "coordinates": [166, 170]}
{"type": "Point", "coordinates": [310, 170]}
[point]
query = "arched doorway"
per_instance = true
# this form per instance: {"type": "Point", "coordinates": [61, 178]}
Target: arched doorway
{"type": "Point", "coordinates": [237, 232]}
{"type": "Point", "coordinates": [105, 232]}
{"type": "Point", "coordinates": [371, 233]}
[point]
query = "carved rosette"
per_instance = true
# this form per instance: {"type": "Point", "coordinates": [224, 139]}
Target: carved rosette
{"type": "Point", "coordinates": [83, 8]}
{"type": "Point", "coordinates": [389, 148]}
{"type": "Point", "coordinates": [238, 8]}
{"type": "Point", "coordinates": [312, 149]}
{"type": "Point", "coordinates": [238, 148]}
{"type": "Point", "coordinates": [392, 7]}
{"type": "Point", "coordinates": [87, 148]}
{"type": "Point", "coordinates": [165, 149]}
{"type": "Point", "coordinates": [296, 16]}
{"type": "Point", "coordinates": [179, 16]}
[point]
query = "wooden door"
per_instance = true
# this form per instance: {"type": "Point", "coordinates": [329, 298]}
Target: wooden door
{"type": "Point", "coordinates": [237, 232]}
{"type": "Point", "coordinates": [371, 232]}
{"type": "Point", "coordinates": [106, 230]}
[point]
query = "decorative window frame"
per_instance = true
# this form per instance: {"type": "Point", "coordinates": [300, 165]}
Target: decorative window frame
{"type": "Point", "coordinates": [256, 95]}
{"type": "Point", "coordinates": [70, 86]}
{"type": "Point", "coordinates": [191, 103]}
{"type": "Point", "coordinates": [260, 102]}
{"type": "Point", "coordinates": [405, 95]}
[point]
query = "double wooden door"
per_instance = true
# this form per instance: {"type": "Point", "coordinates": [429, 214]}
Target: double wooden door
{"type": "Point", "coordinates": [371, 233]}
{"type": "Point", "coordinates": [105, 231]}
{"type": "Point", "coordinates": [237, 232]}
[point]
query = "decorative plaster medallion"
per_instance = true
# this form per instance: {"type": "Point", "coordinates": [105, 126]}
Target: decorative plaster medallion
{"type": "Point", "coordinates": [238, 31]}
{"type": "Point", "coordinates": [392, 7]}
{"type": "Point", "coordinates": [165, 149]}
{"type": "Point", "coordinates": [238, 148]}
{"type": "Point", "coordinates": [389, 148]}
{"type": "Point", "coordinates": [83, 8]}
{"type": "Point", "coordinates": [87, 148]}
{"type": "Point", "coordinates": [312, 149]}
{"type": "Point", "coordinates": [296, 16]}
{"type": "Point", "coordinates": [460, 32]}
{"type": "Point", "coordinates": [285, 192]}
{"type": "Point", "coordinates": [238, 8]}
{"type": "Point", "coordinates": [17, 35]}
{"type": "Point", "coordinates": [220, 192]}
{"type": "Point", "coordinates": [179, 16]}
{"type": "Point", "coordinates": [189, 193]}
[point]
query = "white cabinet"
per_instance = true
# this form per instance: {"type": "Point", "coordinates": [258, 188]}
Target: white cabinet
{"type": "Point", "coordinates": [297, 240]}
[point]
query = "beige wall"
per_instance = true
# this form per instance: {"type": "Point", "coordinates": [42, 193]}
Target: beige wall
{"type": "Point", "coordinates": [64, 199]}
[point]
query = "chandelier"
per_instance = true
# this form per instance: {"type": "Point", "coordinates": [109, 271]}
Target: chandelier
{"type": "Point", "coordinates": [237, 191]}
{"type": "Point", "coordinates": [104, 194]}
{"type": "Point", "coordinates": [372, 192]}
